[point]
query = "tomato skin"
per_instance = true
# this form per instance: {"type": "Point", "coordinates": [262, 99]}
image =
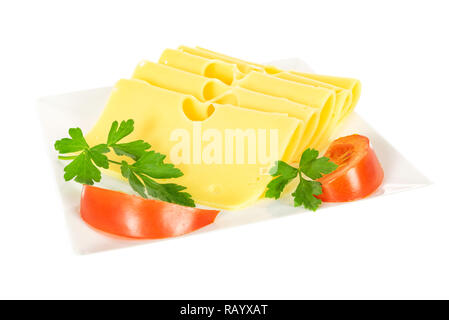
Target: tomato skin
{"type": "Point", "coordinates": [131, 216]}
{"type": "Point", "coordinates": [359, 178]}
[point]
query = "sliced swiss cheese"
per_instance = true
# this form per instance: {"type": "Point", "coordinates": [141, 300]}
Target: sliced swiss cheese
{"type": "Point", "coordinates": [233, 177]}
{"type": "Point", "coordinates": [351, 84]}
{"type": "Point", "coordinates": [308, 116]}
{"type": "Point", "coordinates": [167, 77]}
{"type": "Point", "coordinates": [211, 68]}
{"type": "Point", "coordinates": [321, 99]}
{"type": "Point", "coordinates": [342, 102]}
{"type": "Point", "coordinates": [207, 63]}
{"type": "Point", "coordinates": [243, 66]}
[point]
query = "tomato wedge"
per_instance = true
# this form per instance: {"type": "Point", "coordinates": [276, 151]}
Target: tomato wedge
{"type": "Point", "coordinates": [131, 216]}
{"type": "Point", "coordinates": [359, 172]}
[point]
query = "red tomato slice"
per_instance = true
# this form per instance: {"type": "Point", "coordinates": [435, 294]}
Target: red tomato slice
{"type": "Point", "coordinates": [135, 217]}
{"type": "Point", "coordinates": [359, 172]}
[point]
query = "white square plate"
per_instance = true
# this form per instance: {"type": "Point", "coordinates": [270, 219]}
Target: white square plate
{"type": "Point", "coordinates": [82, 109]}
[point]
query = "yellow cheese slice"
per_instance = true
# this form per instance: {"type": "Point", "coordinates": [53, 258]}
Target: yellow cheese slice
{"type": "Point", "coordinates": [178, 80]}
{"type": "Point", "coordinates": [227, 178]}
{"type": "Point", "coordinates": [229, 73]}
{"type": "Point", "coordinates": [243, 66]}
{"type": "Point", "coordinates": [321, 99]}
{"type": "Point", "coordinates": [211, 68]}
{"type": "Point", "coordinates": [308, 116]}
{"type": "Point", "coordinates": [353, 85]}
{"type": "Point", "coordinates": [343, 98]}
{"type": "Point", "coordinates": [172, 78]}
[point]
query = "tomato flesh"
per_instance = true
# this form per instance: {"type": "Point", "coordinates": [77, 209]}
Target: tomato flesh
{"type": "Point", "coordinates": [359, 172]}
{"type": "Point", "coordinates": [131, 216]}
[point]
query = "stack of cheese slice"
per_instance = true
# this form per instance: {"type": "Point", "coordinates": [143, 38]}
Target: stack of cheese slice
{"type": "Point", "coordinates": [224, 121]}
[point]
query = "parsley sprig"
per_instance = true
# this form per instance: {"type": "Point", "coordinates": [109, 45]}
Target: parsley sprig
{"type": "Point", "coordinates": [146, 166]}
{"type": "Point", "coordinates": [310, 168]}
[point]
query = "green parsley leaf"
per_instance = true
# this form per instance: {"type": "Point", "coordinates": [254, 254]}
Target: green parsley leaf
{"type": "Point", "coordinates": [284, 173]}
{"type": "Point", "coordinates": [148, 165]}
{"type": "Point", "coordinates": [308, 156]}
{"type": "Point", "coordinates": [152, 164]}
{"type": "Point", "coordinates": [77, 143]}
{"type": "Point", "coordinates": [135, 183]}
{"type": "Point", "coordinates": [304, 194]}
{"type": "Point", "coordinates": [96, 153]}
{"type": "Point", "coordinates": [315, 167]}
{"type": "Point", "coordinates": [117, 133]}
{"type": "Point", "coordinates": [309, 166]}
{"type": "Point", "coordinates": [82, 169]}
{"type": "Point", "coordinates": [134, 149]}
{"type": "Point", "coordinates": [169, 192]}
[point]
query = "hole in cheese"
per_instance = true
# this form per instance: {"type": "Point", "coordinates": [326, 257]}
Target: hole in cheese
{"type": "Point", "coordinates": [197, 111]}
{"type": "Point", "coordinates": [190, 110]}
{"type": "Point", "coordinates": [210, 110]}
{"type": "Point", "coordinates": [228, 99]}
{"type": "Point", "coordinates": [220, 71]}
{"type": "Point", "coordinates": [213, 89]}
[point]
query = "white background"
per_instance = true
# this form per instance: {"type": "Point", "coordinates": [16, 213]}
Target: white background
{"type": "Point", "coordinates": [390, 247]}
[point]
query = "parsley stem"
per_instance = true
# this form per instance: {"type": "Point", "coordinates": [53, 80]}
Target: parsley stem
{"type": "Point", "coordinates": [67, 157]}
{"type": "Point", "coordinates": [112, 161]}
{"type": "Point", "coordinates": [73, 157]}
